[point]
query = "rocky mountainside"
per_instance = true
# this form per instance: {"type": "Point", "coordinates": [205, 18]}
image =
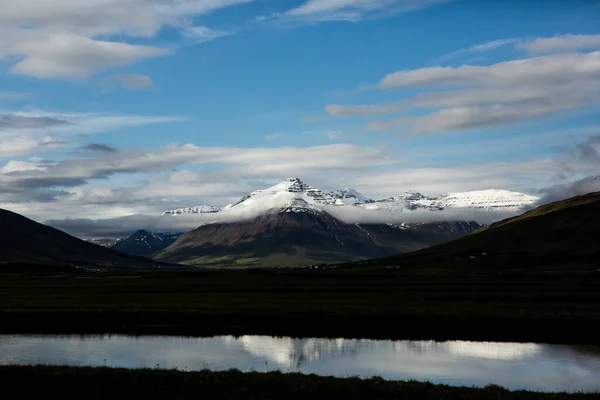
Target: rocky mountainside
{"type": "Point", "coordinates": [144, 243]}
{"type": "Point", "coordinates": [23, 241]}
{"type": "Point", "coordinates": [297, 195]}
{"type": "Point", "coordinates": [299, 237]}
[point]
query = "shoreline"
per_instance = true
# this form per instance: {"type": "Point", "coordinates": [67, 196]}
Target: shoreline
{"type": "Point", "coordinates": [45, 381]}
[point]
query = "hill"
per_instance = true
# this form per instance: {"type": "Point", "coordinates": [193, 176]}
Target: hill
{"type": "Point", "coordinates": [23, 241]}
{"type": "Point", "coordinates": [556, 234]}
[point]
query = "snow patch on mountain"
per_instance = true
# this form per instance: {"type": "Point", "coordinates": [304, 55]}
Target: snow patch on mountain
{"type": "Point", "coordinates": [350, 196]}
{"type": "Point", "coordinates": [202, 209]}
{"type": "Point", "coordinates": [485, 200]}
{"type": "Point", "coordinates": [488, 200]}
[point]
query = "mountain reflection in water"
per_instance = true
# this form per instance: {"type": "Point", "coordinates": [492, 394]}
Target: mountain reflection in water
{"type": "Point", "coordinates": [512, 365]}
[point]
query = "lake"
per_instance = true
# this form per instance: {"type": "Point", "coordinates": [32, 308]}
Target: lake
{"type": "Point", "coordinates": [512, 365]}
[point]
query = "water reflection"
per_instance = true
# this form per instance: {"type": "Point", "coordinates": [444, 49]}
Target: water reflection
{"type": "Point", "coordinates": [513, 365]}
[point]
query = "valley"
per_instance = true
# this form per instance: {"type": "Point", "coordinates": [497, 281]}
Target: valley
{"type": "Point", "coordinates": [293, 224]}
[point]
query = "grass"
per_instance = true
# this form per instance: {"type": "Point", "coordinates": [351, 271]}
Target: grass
{"type": "Point", "coordinates": [355, 302]}
{"type": "Point", "coordinates": [64, 383]}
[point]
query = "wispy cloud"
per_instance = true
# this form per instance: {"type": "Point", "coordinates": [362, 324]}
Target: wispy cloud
{"type": "Point", "coordinates": [541, 45]}
{"type": "Point", "coordinates": [479, 97]}
{"type": "Point", "coordinates": [561, 43]}
{"type": "Point", "coordinates": [29, 132]}
{"type": "Point", "coordinates": [313, 11]}
{"type": "Point", "coordinates": [24, 145]}
{"type": "Point", "coordinates": [479, 48]}
{"type": "Point", "coordinates": [338, 110]}
{"type": "Point", "coordinates": [200, 34]}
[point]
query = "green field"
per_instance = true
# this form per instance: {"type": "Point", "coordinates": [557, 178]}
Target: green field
{"type": "Point", "coordinates": [45, 382]}
{"type": "Point", "coordinates": [364, 302]}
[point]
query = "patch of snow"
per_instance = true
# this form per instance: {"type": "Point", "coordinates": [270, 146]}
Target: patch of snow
{"type": "Point", "coordinates": [202, 209]}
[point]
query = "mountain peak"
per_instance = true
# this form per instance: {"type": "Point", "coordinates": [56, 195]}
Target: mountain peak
{"type": "Point", "coordinates": [349, 196]}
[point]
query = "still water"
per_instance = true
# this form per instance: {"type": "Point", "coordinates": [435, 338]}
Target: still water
{"type": "Point", "coordinates": [512, 365]}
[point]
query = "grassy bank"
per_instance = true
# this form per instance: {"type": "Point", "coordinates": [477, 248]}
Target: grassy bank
{"type": "Point", "coordinates": [360, 302]}
{"type": "Point", "coordinates": [104, 383]}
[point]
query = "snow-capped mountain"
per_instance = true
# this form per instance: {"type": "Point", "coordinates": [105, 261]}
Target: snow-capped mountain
{"type": "Point", "coordinates": [293, 195]}
{"type": "Point", "coordinates": [289, 195]}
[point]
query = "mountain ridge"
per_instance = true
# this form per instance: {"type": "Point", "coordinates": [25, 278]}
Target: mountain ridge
{"type": "Point", "coordinates": [288, 193]}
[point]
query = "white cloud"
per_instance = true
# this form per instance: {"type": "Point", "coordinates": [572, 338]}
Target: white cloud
{"type": "Point", "coordinates": [236, 162]}
{"type": "Point", "coordinates": [25, 145]}
{"type": "Point", "coordinates": [201, 34]}
{"type": "Point", "coordinates": [15, 166]}
{"type": "Point", "coordinates": [541, 45]}
{"type": "Point", "coordinates": [46, 190]}
{"type": "Point", "coordinates": [472, 97]}
{"type": "Point", "coordinates": [480, 48]}
{"type": "Point", "coordinates": [351, 10]}
{"type": "Point", "coordinates": [338, 110]}
{"type": "Point", "coordinates": [561, 43]}
{"type": "Point", "coordinates": [40, 122]}
{"type": "Point", "coordinates": [71, 38]}
{"type": "Point", "coordinates": [69, 56]}
{"type": "Point", "coordinates": [552, 69]}
{"type": "Point", "coordinates": [467, 118]}
{"type": "Point", "coordinates": [195, 7]}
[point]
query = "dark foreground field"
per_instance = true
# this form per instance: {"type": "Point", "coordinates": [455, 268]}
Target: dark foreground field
{"type": "Point", "coordinates": [559, 306]}
{"type": "Point", "coordinates": [44, 382]}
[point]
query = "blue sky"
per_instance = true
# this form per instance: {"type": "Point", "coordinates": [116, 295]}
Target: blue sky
{"type": "Point", "coordinates": [116, 107]}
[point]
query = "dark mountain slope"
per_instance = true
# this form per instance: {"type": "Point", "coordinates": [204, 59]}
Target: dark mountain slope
{"type": "Point", "coordinates": [561, 233]}
{"type": "Point", "coordinates": [144, 243]}
{"type": "Point", "coordinates": [297, 238]}
{"type": "Point", "coordinates": [23, 241]}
